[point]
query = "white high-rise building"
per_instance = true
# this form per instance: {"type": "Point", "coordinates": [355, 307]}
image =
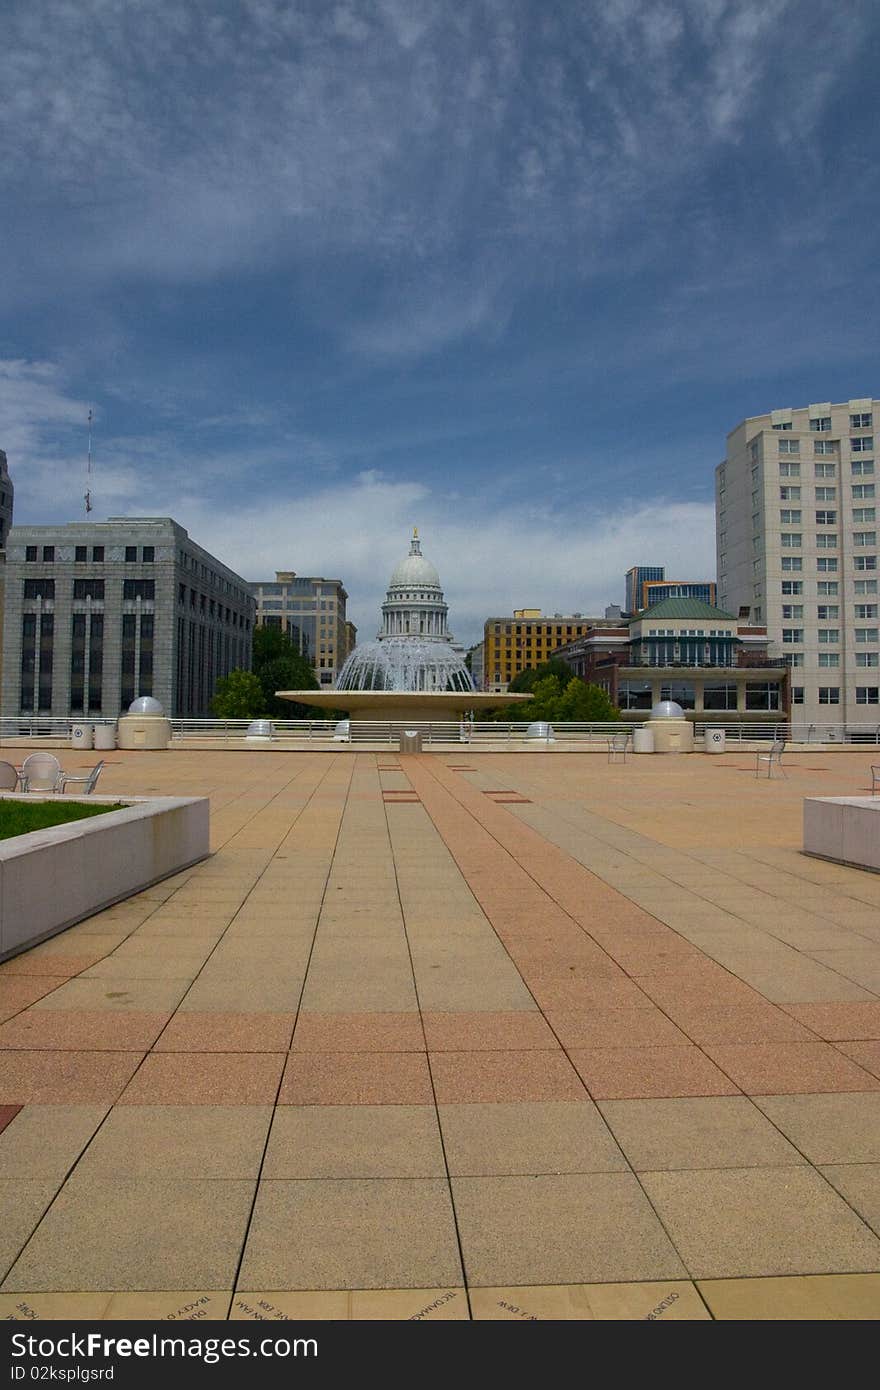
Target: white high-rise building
{"type": "Point", "coordinates": [796, 533]}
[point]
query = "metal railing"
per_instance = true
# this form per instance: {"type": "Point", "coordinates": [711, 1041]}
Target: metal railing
{"type": "Point", "coordinates": [322, 731]}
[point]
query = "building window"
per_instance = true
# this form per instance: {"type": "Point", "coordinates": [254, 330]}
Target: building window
{"type": "Point", "coordinates": [826, 540]}
{"type": "Point", "coordinates": [867, 695]}
{"type": "Point", "coordinates": [868, 658]}
{"type": "Point", "coordinates": [865, 562]}
{"type": "Point", "coordinates": [96, 661]}
{"type": "Point", "coordinates": [792, 659]}
{"type": "Point", "coordinates": [789, 446]}
{"type": "Point", "coordinates": [47, 645]}
{"type": "Point", "coordinates": [863, 420]}
{"type": "Point", "coordinates": [785, 426]}
{"type": "Point", "coordinates": [48, 554]}
{"type": "Point", "coordinates": [865, 586]}
{"type": "Point", "coordinates": [820, 424]}
{"type": "Point", "coordinates": [98, 554]}
{"type": "Point", "coordinates": [131, 554]}
{"type": "Point", "coordinates": [866, 610]}
{"type": "Point", "coordinates": [789, 517]}
{"type": "Point", "coordinates": [791, 540]}
{"type": "Point", "coordinates": [139, 588]}
{"type": "Point", "coordinates": [763, 695]}
{"type": "Point", "coordinates": [862, 514]}
{"type": "Point", "coordinates": [827, 564]}
{"type": "Point", "coordinates": [682, 692]}
{"type": "Point", "coordinates": [792, 634]}
{"type": "Point", "coordinates": [789, 494]}
{"type": "Point", "coordinates": [148, 554]}
{"type": "Point", "coordinates": [863, 538]}
{"type": "Point", "coordinates": [797, 694]}
{"type": "Point", "coordinates": [88, 588]}
{"type": "Point", "coordinates": [832, 658]}
{"type": "Point", "coordinates": [866, 634]}
{"type": "Point", "coordinates": [81, 554]}
{"type": "Point", "coordinates": [792, 564]}
{"type": "Point", "coordinates": [77, 663]}
{"type": "Point", "coordinates": [39, 588]}
{"type": "Point", "coordinates": [825, 470]}
{"type": "Point", "coordinates": [792, 610]}
{"type": "Point", "coordinates": [826, 588]}
{"type": "Point", "coordinates": [829, 694]}
{"type": "Point", "coordinates": [789, 470]}
{"type": "Point", "coordinates": [829, 636]}
{"type": "Point", "coordinates": [28, 660]}
{"type": "Point", "coordinates": [862, 468]}
{"type": "Point", "coordinates": [792, 586]}
{"type": "Point", "coordinates": [826, 494]}
{"type": "Point", "coordinates": [862, 445]}
{"type": "Point", "coordinates": [827, 611]}
{"type": "Point", "coordinates": [722, 696]}
{"type": "Point", "coordinates": [860, 491]}
{"type": "Point", "coordinates": [30, 553]}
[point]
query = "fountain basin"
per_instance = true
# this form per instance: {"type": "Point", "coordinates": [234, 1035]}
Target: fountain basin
{"type": "Point", "coordinates": [401, 706]}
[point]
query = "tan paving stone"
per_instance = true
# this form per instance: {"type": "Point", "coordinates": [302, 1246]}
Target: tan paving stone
{"type": "Point", "coordinates": [670, 1301]}
{"type": "Point", "coordinates": [696, 1132]}
{"type": "Point", "coordinates": [488, 1031]}
{"type": "Point", "coordinates": [528, 1138]}
{"type": "Point", "coordinates": [859, 1184]}
{"type": "Point", "coordinates": [45, 1141]}
{"type": "Point", "coordinates": [389, 1233]}
{"type": "Point", "coordinates": [843, 1128]}
{"type": "Point", "coordinates": [178, 1141]}
{"type": "Point", "coordinates": [54, 1307]}
{"type": "Point", "coordinates": [757, 1221]}
{"type": "Point", "coordinates": [135, 996]}
{"type": "Point", "coordinates": [22, 1204]}
{"type": "Point", "coordinates": [805, 1298]}
{"type": "Point", "coordinates": [354, 1141]}
{"type": "Point", "coordinates": [385, 1305]}
{"type": "Point", "coordinates": [580, 1228]}
{"type": "Point", "coordinates": [187, 1233]}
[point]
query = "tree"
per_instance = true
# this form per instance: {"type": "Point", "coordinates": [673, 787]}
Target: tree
{"type": "Point", "coordinates": [239, 696]}
{"type": "Point", "coordinates": [525, 682]}
{"type": "Point", "coordinates": [566, 700]}
{"type": "Point", "coordinates": [278, 665]}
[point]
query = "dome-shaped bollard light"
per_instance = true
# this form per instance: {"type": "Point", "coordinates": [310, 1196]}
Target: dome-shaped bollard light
{"type": "Point", "coordinates": [144, 725]}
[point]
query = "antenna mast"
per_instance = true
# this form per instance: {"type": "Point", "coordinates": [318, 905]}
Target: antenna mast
{"type": "Point", "coordinates": [88, 496]}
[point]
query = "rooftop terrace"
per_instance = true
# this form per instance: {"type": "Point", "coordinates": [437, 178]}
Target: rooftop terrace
{"type": "Point", "coordinates": [456, 1036]}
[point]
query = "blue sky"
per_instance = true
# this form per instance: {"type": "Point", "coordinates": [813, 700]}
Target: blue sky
{"type": "Point", "coordinates": [503, 269]}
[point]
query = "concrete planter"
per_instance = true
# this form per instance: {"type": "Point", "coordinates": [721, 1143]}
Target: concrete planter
{"type": "Point", "coordinates": [843, 828]}
{"type": "Point", "coordinates": [51, 878]}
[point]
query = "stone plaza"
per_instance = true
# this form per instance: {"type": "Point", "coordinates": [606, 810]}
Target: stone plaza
{"type": "Point", "coordinates": [456, 1036]}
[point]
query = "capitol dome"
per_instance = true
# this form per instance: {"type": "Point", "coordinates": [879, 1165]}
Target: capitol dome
{"type": "Point", "coordinates": [413, 650]}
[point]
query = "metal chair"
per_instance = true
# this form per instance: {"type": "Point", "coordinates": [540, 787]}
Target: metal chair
{"type": "Point", "coordinates": [617, 745]}
{"type": "Point", "coordinates": [773, 758]}
{"type": "Point", "coordinates": [875, 779]}
{"type": "Point", "coordinates": [86, 780]}
{"type": "Point", "coordinates": [8, 777]}
{"type": "Point", "coordinates": [40, 772]}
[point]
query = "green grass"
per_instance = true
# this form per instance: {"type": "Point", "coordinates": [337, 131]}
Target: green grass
{"type": "Point", "coordinates": [19, 817]}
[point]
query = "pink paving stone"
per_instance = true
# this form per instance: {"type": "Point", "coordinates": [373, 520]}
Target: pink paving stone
{"type": "Point", "coordinates": [614, 1028]}
{"type": "Point", "coordinates": [488, 1032]}
{"type": "Point", "coordinates": [847, 1022]}
{"type": "Point", "coordinates": [468, 1077]}
{"type": "Point", "coordinates": [99, 1030]}
{"type": "Point", "coordinates": [779, 1069]}
{"type": "Point", "coordinates": [643, 1073]}
{"type": "Point", "coordinates": [358, 1032]}
{"type": "Point", "coordinates": [341, 1078]}
{"type": "Point", "coordinates": [64, 1078]}
{"type": "Point", "coordinates": [202, 1078]}
{"type": "Point", "coordinates": [866, 1054]}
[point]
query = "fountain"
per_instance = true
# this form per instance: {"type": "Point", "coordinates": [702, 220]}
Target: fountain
{"type": "Point", "coordinates": [414, 670]}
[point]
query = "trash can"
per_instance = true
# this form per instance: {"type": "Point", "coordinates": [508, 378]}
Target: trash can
{"type": "Point", "coordinates": [82, 736]}
{"type": "Point", "coordinates": [410, 741]}
{"type": "Point", "coordinates": [105, 736]}
{"type": "Point", "coordinates": [643, 740]}
{"type": "Point", "coordinates": [714, 740]}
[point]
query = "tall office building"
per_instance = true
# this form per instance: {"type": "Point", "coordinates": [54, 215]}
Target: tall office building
{"type": "Point", "coordinates": [796, 530]}
{"type": "Point", "coordinates": [312, 611]}
{"type": "Point", "coordinates": [96, 613]}
{"type": "Point", "coordinates": [526, 639]}
{"type": "Point", "coordinates": [635, 579]}
{"type": "Point", "coordinates": [7, 498]}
